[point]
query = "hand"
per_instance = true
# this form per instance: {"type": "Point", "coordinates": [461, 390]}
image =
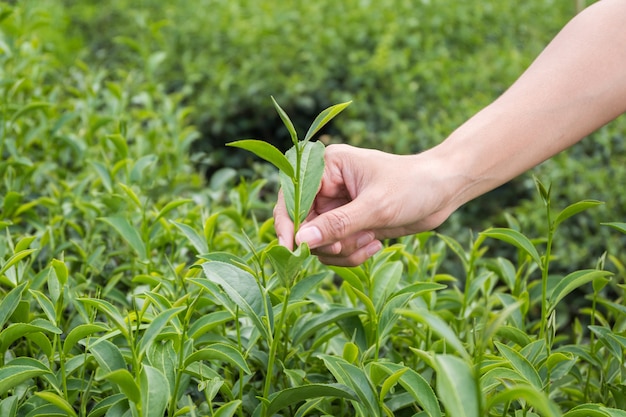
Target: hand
{"type": "Point", "coordinates": [366, 196]}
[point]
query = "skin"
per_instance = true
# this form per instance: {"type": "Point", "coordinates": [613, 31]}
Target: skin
{"type": "Point", "coordinates": [575, 86]}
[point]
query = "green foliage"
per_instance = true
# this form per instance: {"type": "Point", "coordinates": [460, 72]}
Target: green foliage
{"type": "Point", "coordinates": [131, 285]}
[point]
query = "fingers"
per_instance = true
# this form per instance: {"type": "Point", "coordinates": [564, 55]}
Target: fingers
{"type": "Point", "coordinates": [282, 223]}
{"type": "Point", "coordinates": [351, 251]}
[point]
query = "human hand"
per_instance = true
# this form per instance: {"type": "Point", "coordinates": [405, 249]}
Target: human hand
{"type": "Point", "coordinates": [366, 196]}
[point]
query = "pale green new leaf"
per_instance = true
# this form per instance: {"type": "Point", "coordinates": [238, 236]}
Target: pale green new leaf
{"type": "Point", "coordinates": [10, 302]}
{"type": "Point", "coordinates": [129, 234]}
{"type": "Point", "coordinates": [228, 410]}
{"type": "Point", "coordinates": [266, 151]}
{"type": "Point", "coordinates": [325, 117]}
{"type": "Point", "coordinates": [221, 352]}
{"type": "Point", "coordinates": [311, 172]}
{"type": "Point", "coordinates": [286, 263]}
{"type": "Point", "coordinates": [15, 258]}
{"type": "Point", "coordinates": [155, 327]}
{"type": "Point", "coordinates": [291, 396]}
{"type": "Point", "coordinates": [287, 121]}
{"type": "Point", "coordinates": [594, 410]}
{"type": "Point", "coordinates": [516, 239]}
{"type": "Point", "coordinates": [574, 209]}
{"type": "Point", "coordinates": [155, 392]}
{"type": "Point", "coordinates": [617, 226]}
{"type": "Point", "coordinates": [127, 384]}
{"type": "Point", "coordinates": [108, 310]}
{"type": "Point", "coordinates": [531, 395]}
{"type": "Point", "coordinates": [197, 241]}
{"type": "Point", "coordinates": [456, 387]}
{"type": "Point", "coordinates": [572, 281]}
{"type": "Point", "coordinates": [80, 332]}
{"type": "Point", "coordinates": [62, 403]}
{"type": "Point", "coordinates": [520, 364]}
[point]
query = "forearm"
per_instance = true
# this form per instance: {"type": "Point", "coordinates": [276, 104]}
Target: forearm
{"type": "Point", "coordinates": [575, 86]}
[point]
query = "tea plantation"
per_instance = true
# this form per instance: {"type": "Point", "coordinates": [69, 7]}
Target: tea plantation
{"type": "Point", "coordinates": [140, 274]}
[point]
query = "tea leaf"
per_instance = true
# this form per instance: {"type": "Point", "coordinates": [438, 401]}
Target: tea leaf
{"type": "Point", "coordinates": [325, 117]}
{"type": "Point", "coordinates": [80, 332]}
{"type": "Point", "coordinates": [520, 364]}
{"type": "Point", "coordinates": [286, 263]}
{"type": "Point", "coordinates": [129, 234]}
{"type": "Point", "coordinates": [10, 302]}
{"type": "Point", "coordinates": [220, 351]}
{"type": "Point", "coordinates": [384, 282]}
{"type": "Point", "coordinates": [572, 281]}
{"type": "Point", "coordinates": [228, 410]}
{"type": "Point", "coordinates": [268, 152]}
{"type": "Point", "coordinates": [390, 382]}
{"type": "Point", "coordinates": [243, 290]}
{"type": "Point", "coordinates": [108, 310]}
{"type": "Point", "coordinates": [353, 377]}
{"type": "Point", "coordinates": [533, 396]}
{"type": "Point", "coordinates": [8, 406]}
{"type": "Point", "coordinates": [103, 406]}
{"type": "Point", "coordinates": [303, 331]}
{"type": "Point", "coordinates": [617, 226]}
{"type": "Point", "coordinates": [311, 172]}
{"type": "Point", "coordinates": [13, 375]}
{"type": "Point", "coordinates": [125, 381]}
{"type": "Point", "coordinates": [29, 108]}
{"type": "Point", "coordinates": [57, 401]}
{"type": "Point", "coordinates": [516, 239]}
{"type": "Point", "coordinates": [594, 410]}
{"type": "Point", "coordinates": [416, 386]}
{"type": "Point", "coordinates": [287, 122]}
{"type": "Point", "coordinates": [456, 387]}
{"type": "Point", "coordinates": [140, 166]}
{"type": "Point", "coordinates": [15, 258]}
{"type": "Point", "coordinates": [155, 327]}
{"type": "Point", "coordinates": [208, 322]}
{"type": "Point", "coordinates": [171, 206]}
{"type": "Point", "coordinates": [46, 305]}
{"type": "Point", "coordinates": [574, 209]}
{"type": "Point", "coordinates": [108, 356]}
{"type": "Point", "coordinates": [291, 396]}
{"type": "Point", "coordinates": [198, 242]}
{"type": "Point", "coordinates": [155, 392]}
{"type": "Point", "coordinates": [16, 330]}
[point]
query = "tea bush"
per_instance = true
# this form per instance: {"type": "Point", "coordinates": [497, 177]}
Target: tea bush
{"type": "Point", "coordinates": [131, 285]}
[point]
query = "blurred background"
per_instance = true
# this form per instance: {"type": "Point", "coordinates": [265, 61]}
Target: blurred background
{"type": "Point", "coordinates": [415, 70]}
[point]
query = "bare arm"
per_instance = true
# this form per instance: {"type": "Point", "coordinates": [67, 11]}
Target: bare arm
{"type": "Point", "coordinates": [576, 85]}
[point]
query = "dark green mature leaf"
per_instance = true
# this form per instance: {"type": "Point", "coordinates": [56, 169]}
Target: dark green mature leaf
{"type": "Point", "coordinates": [57, 401]}
{"type": "Point", "coordinates": [228, 410]}
{"type": "Point", "coordinates": [291, 396]}
{"type": "Point", "coordinates": [13, 375]}
{"type": "Point", "coordinates": [155, 392]}
{"type": "Point", "coordinates": [520, 364]}
{"type": "Point", "coordinates": [222, 352]}
{"type": "Point", "coordinates": [17, 330]}
{"type": "Point", "coordinates": [574, 209]}
{"type": "Point", "coordinates": [243, 289]}
{"type": "Point", "coordinates": [516, 239]}
{"type": "Point", "coordinates": [108, 356]}
{"type": "Point", "coordinates": [103, 406]}
{"type": "Point", "coordinates": [456, 386]}
{"type": "Point", "coordinates": [129, 234]}
{"type": "Point", "coordinates": [8, 406]}
{"type": "Point", "coordinates": [108, 310]}
{"type": "Point", "coordinates": [324, 117]}
{"type": "Point", "coordinates": [10, 302]}
{"type": "Point", "coordinates": [268, 152]}
{"type": "Point", "coordinates": [572, 281]}
{"type": "Point", "coordinates": [311, 172]}
{"type": "Point", "coordinates": [287, 122]}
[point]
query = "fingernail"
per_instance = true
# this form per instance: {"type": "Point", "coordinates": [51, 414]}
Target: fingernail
{"type": "Point", "coordinates": [281, 241]}
{"type": "Point", "coordinates": [311, 235]}
{"type": "Point", "coordinates": [373, 248]}
{"type": "Point", "coordinates": [364, 240]}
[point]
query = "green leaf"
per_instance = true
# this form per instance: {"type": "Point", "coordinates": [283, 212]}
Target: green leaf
{"type": "Point", "coordinates": [619, 226]}
{"type": "Point", "coordinates": [10, 302]}
{"type": "Point", "coordinates": [356, 379]}
{"type": "Point", "coordinates": [594, 410]}
{"type": "Point", "coordinates": [155, 392]}
{"type": "Point", "coordinates": [384, 282]}
{"type": "Point", "coordinates": [129, 234]}
{"type": "Point", "coordinates": [207, 322]}
{"type": "Point", "coordinates": [8, 406]}
{"type": "Point", "coordinates": [572, 281]}
{"type": "Point", "coordinates": [80, 332]}
{"type": "Point", "coordinates": [31, 107]}
{"type": "Point", "coordinates": [125, 381]}
{"type": "Point", "coordinates": [574, 209]}
{"type": "Point", "coordinates": [416, 386]}
{"type": "Point", "coordinates": [222, 352]}
{"type": "Point", "coordinates": [103, 406]}
{"type": "Point", "coordinates": [61, 270]}
{"type": "Point", "coordinates": [516, 239]}
{"type": "Point", "coordinates": [171, 206]}
{"type": "Point", "coordinates": [243, 290]}
{"type": "Point", "coordinates": [520, 364]}
{"type": "Point", "coordinates": [287, 122]}
{"type": "Point", "coordinates": [533, 396]}
{"type": "Point", "coordinates": [439, 326]}
{"type": "Point", "coordinates": [390, 382]}
{"type": "Point", "coordinates": [108, 310]}
{"type": "Point", "coordinates": [311, 172]}
{"type": "Point", "coordinates": [291, 396]}
{"type": "Point", "coordinates": [303, 329]}
{"type": "Point", "coordinates": [13, 375]}
{"type": "Point", "coordinates": [140, 166]}
{"type": "Point", "coordinates": [456, 386]}
{"type": "Point", "coordinates": [108, 356]}
{"type": "Point", "coordinates": [197, 241]}
{"type": "Point", "coordinates": [155, 327]}
{"type": "Point", "coordinates": [62, 403]}
{"type": "Point", "coordinates": [228, 410]}
{"type": "Point", "coordinates": [15, 258]}
{"type": "Point", "coordinates": [45, 304]}
{"type": "Point", "coordinates": [17, 330]}
{"type": "Point", "coordinates": [286, 263]}
{"type": "Point", "coordinates": [268, 152]}
{"type": "Point", "coordinates": [325, 117]}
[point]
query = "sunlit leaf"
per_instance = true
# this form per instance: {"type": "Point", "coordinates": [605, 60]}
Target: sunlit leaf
{"type": "Point", "coordinates": [267, 151]}
{"type": "Point", "coordinates": [456, 386]}
{"type": "Point", "coordinates": [516, 239]}
{"type": "Point", "coordinates": [574, 209]}
{"type": "Point", "coordinates": [324, 117]}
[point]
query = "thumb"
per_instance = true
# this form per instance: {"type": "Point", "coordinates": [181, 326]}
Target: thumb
{"type": "Point", "coordinates": [335, 225]}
